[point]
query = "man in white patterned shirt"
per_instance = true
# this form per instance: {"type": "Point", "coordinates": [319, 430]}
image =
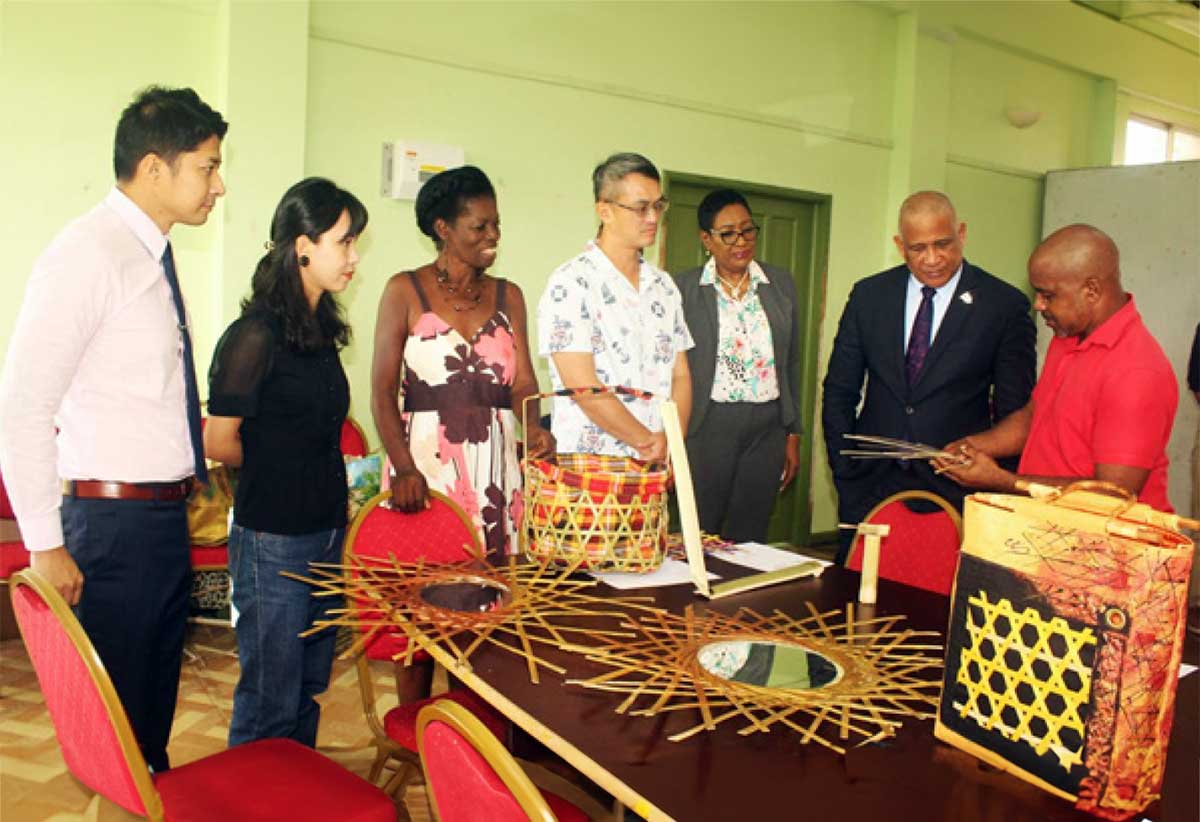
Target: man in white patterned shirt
{"type": "Point", "coordinates": [608, 317]}
{"type": "Point", "coordinates": [102, 351]}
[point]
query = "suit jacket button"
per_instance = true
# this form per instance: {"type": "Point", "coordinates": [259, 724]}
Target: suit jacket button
{"type": "Point", "coordinates": [908, 409]}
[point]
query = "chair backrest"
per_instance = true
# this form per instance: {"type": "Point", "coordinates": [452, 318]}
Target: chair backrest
{"type": "Point", "coordinates": [921, 549]}
{"type": "Point", "coordinates": [441, 533]}
{"type": "Point", "coordinates": [468, 772]}
{"type": "Point", "coordinates": [354, 440]}
{"type": "Point", "coordinates": [93, 730]}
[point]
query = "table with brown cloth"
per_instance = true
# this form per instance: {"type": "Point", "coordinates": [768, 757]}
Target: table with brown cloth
{"type": "Point", "coordinates": [720, 776]}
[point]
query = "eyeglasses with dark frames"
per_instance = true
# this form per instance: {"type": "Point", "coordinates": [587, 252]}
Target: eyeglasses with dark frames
{"type": "Point", "coordinates": [730, 236]}
{"type": "Point", "coordinates": [643, 210]}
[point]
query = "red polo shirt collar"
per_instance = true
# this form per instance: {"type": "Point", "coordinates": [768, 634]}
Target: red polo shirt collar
{"type": "Point", "coordinates": [1111, 330]}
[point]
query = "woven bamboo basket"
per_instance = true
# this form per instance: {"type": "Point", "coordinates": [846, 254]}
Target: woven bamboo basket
{"type": "Point", "coordinates": [599, 512]}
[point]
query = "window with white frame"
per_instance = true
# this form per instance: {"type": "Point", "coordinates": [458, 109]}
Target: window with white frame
{"type": "Point", "coordinates": [1153, 141]}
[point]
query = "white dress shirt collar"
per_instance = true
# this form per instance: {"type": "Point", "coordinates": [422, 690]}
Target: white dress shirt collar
{"type": "Point", "coordinates": [757, 276]}
{"type": "Point", "coordinates": [941, 302]}
{"type": "Point", "coordinates": [944, 291]}
{"type": "Point", "coordinates": [139, 222]}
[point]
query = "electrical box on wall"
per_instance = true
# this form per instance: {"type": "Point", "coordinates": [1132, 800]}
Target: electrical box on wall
{"type": "Point", "coordinates": [407, 164]}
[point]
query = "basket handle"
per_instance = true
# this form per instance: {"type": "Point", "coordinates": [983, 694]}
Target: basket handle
{"type": "Point", "coordinates": [1053, 495]}
{"type": "Point", "coordinates": [1048, 493]}
{"type": "Point", "coordinates": [1101, 487]}
{"type": "Point", "coordinates": [587, 390]}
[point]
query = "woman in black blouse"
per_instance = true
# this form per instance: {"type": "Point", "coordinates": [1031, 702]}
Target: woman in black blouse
{"type": "Point", "coordinates": [277, 399]}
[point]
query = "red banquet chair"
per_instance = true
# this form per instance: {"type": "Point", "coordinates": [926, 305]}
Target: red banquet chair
{"type": "Point", "coordinates": [471, 777]}
{"type": "Point", "coordinates": [13, 557]}
{"type": "Point", "coordinates": [210, 568]}
{"type": "Point", "coordinates": [441, 533]}
{"type": "Point", "coordinates": [354, 440]}
{"type": "Point", "coordinates": [272, 779]}
{"type": "Point", "coordinates": [921, 549]}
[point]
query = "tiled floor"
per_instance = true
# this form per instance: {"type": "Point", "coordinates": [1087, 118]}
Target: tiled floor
{"type": "Point", "coordinates": [35, 785]}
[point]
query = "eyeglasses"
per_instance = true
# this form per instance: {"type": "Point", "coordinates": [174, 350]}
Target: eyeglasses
{"type": "Point", "coordinates": [643, 210]}
{"type": "Point", "coordinates": [730, 236]}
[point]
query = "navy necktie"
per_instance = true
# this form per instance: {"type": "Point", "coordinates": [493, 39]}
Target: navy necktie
{"type": "Point", "coordinates": [189, 368]}
{"type": "Point", "coordinates": [921, 336]}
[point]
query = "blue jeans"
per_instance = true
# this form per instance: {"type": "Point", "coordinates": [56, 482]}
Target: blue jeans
{"type": "Point", "coordinates": [281, 672]}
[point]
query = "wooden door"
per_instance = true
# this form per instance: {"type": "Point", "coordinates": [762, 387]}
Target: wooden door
{"type": "Point", "coordinates": [794, 236]}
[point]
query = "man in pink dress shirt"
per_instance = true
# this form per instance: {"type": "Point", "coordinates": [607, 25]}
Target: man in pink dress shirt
{"type": "Point", "coordinates": [102, 351]}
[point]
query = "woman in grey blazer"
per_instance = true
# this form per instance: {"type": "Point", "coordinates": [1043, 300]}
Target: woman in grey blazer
{"type": "Point", "coordinates": [743, 440]}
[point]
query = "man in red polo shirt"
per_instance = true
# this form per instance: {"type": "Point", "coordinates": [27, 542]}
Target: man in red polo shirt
{"type": "Point", "coordinates": [1105, 402]}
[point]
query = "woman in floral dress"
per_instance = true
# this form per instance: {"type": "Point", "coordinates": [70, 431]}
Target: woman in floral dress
{"type": "Point", "coordinates": [451, 343]}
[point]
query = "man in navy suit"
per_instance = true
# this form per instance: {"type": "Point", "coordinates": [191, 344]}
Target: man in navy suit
{"type": "Point", "coordinates": [946, 348]}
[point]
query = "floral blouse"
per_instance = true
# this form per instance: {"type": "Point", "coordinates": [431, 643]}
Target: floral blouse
{"type": "Point", "coordinates": [633, 334]}
{"type": "Point", "coordinates": [745, 354]}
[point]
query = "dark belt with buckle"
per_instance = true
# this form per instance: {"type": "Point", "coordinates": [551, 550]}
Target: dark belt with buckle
{"type": "Point", "coordinates": [144, 491]}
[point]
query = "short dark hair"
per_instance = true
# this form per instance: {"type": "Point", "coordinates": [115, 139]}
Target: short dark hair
{"type": "Point", "coordinates": [616, 168]}
{"type": "Point", "coordinates": [309, 208]}
{"type": "Point", "coordinates": [712, 204]}
{"type": "Point", "coordinates": [166, 122]}
{"type": "Point", "coordinates": [444, 197]}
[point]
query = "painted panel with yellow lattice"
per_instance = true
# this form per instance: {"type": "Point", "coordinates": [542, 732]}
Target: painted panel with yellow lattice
{"type": "Point", "coordinates": [1065, 638]}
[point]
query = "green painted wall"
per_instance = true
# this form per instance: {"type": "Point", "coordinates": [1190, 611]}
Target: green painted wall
{"type": "Point", "coordinates": [262, 57]}
{"type": "Point", "coordinates": [62, 87]}
{"type": "Point", "coordinates": [1002, 246]}
{"type": "Point", "coordinates": [987, 79]}
{"type": "Point", "coordinates": [862, 101]}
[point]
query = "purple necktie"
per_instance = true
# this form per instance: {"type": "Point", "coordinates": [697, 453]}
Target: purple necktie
{"type": "Point", "coordinates": [189, 368]}
{"type": "Point", "coordinates": [919, 339]}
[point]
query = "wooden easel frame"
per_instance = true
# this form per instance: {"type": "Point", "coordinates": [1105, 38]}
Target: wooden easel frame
{"type": "Point", "coordinates": [689, 521]}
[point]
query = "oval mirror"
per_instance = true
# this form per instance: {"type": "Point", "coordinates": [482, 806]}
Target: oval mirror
{"type": "Point", "coordinates": [468, 595]}
{"type": "Point", "coordinates": [769, 665]}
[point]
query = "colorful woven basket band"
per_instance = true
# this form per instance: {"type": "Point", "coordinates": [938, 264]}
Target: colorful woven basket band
{"type": "Point", "coordinates": [604, 474]}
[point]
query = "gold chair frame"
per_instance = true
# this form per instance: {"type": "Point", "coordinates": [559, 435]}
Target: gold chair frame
{"type": "Point", "coordinates": [485, 743]}
{"type": "Point", "coordinates": [408, 763]}
{"type": "Point", "coordinates": [132, 754]}
{"type": "Point", "coordinates": [913, 494]}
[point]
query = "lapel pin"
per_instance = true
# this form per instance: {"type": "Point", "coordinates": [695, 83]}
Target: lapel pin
{"type": "Point", "coordinates": [967, 297]}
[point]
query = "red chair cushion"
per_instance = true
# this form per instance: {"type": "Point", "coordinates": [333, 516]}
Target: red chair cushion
{"type": "Point", "coordinates": [400, 722]}
{"type": "Point", "coordinates": [13, 557]}
{"type": "Point", "coordinates": [270, 779]}
{"type": "Point", "coordinates": [87, 737]}
{"type": "Point", "coordinates": [920, 551]}
{"type": "Point", "coordinates": [467, 789]}
{"type": "Point", "coordinates": [563, 810]}
{"type": "Point", "coordinates": [352, 441]}
{"type": "Point", "coordinates": [210, 556]}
